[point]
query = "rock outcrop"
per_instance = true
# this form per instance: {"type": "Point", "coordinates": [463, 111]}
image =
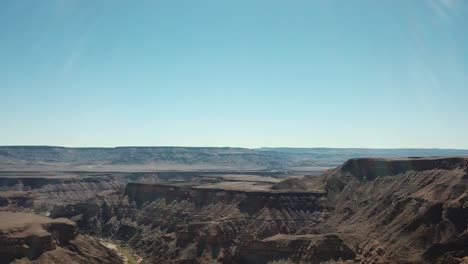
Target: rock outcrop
{"type": "Point", "coordinates": [201, 223]}
{"type": "Point", "coordinates": [414, 209]}
{"type": "Point", "coordinates": [28, 235]}
{"type": "Point", "coordinates": [27, 238]}
{"type": "Point", "coordinates": [296, 249]}
{"type": "Point", "coordinates": [85, 198]}
{"type": "Point", "coordinates": [61, 189]}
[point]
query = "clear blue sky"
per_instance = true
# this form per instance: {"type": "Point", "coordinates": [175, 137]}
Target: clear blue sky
{"type": "Point", "coordinates": [251, 73]}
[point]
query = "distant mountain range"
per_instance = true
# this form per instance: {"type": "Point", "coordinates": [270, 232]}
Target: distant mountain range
{"type": "Point", "coordinates": [50, 158]}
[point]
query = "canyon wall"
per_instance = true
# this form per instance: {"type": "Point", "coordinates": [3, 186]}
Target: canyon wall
{"type": "Point", "coordinates": [411, 210]}
{"type": "Point", "coordinates": [31, 238]}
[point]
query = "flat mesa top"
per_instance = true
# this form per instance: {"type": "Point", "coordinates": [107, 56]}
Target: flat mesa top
{"type": "Point", "coordinates": [15, 221]}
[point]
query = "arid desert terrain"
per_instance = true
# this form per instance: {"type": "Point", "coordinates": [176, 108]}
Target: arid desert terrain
{"type": "Point", "coordinates": [232, 205]}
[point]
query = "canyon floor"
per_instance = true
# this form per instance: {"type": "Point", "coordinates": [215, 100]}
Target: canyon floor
{"type": "Point", "coordinates": [367, 210]}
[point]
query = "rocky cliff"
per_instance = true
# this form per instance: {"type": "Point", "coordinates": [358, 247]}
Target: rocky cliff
{"type": "Point", "coordinates": [367, 210]}
{"type": "Point", "coordinates": [27, 238]}
{"type": "Point", "coordinates": [187, 222]}
{"type": "Point", "coordinates": [56, 190]}
{"type": "Point", "coordinates": [413, 209]}
{"type": "Point", "coordinates": [409, 210]}
{"type": "Point", "coordinates": [81, 198]}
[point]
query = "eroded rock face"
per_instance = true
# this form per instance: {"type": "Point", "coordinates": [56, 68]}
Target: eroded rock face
{"type": "Point", "coordinates": [367, 210]}
{"type": "Point", "coordinates": [43, 194]}
{"type": "Point", "coordinates": [28, 235]}
{"type": "Point", "coordinates": [82, 199]}
{"type": "Point", "coordinates": [371, 168]}
{"type": "Point", "coordinates": [61, 190]}
{"type": "Point", "coordinates": [414, 209]}
{"type": "Point", "coordinates": [371, 210]}
{"type": "Point", "coordinates": [32, 238]}
{"type": "Point", "coordinates": [296, 249]}
{"type": "Point", "coordinates": [190, 223]}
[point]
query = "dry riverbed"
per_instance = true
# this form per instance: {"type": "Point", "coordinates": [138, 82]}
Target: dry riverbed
{"type": "Point", "coordinates": [127, 256]}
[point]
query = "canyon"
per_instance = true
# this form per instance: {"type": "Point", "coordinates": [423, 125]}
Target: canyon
{"type": "Point", "coordinates": [366, 210]}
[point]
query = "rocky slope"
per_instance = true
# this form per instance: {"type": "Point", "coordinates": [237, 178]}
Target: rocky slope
{"type": "Point", "coordinates": [367, 210]}
{"type": "Point", "coordinates": [43, 193]}
{"type": "Point", "coordinates": [81, 198]}
{"type": "Point", "coordinates": [30, 238]}
{"type": "Point", "coordinates": [173, 223]}
{"type": "Point", "coordinates": [408, 210]}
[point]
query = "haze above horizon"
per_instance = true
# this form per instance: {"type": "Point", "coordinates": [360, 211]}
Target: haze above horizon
{"type": "Point", "coordinates": [372, 74]}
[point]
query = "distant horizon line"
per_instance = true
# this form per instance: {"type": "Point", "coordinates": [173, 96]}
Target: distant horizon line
{"type": "Point", "coordinates": [220, 147]}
